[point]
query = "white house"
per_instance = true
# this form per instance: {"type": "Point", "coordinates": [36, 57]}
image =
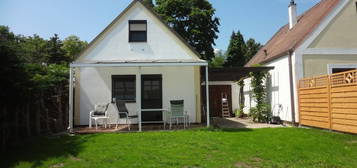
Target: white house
{"type": "Point", "coordinates": [140, 59]}
{"type": "Point", "coordinates": [321, 41]}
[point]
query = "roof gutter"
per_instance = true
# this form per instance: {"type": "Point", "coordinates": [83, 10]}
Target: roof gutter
{"type": "Point", "coordinates": [292, 94]}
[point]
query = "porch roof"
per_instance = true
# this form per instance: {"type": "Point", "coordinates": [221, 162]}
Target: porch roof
{"type": "Point", "coordinates": [140, 63]}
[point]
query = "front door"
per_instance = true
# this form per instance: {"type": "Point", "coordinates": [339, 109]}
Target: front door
{"type": "Point", "coordinates": [151, 91]}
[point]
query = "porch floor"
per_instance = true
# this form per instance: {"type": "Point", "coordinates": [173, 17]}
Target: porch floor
{"type": "Point", "coordinates": [133, 128]}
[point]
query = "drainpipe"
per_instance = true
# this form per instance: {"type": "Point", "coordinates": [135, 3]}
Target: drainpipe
{"type": "Point", "coordinates": [292, 97]}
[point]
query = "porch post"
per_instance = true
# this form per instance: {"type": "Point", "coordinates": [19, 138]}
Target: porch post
{"type": "Point", "coordinates": [70, 110]}
{"type": "Point", "coordinates": [138, 96]}
{"type": "Point", "coordinates": [207, 97]}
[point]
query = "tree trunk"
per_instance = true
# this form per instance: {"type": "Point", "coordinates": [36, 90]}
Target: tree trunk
{"type": "Point", "coordinates": [60, 111]}
{"type": "Point", "coordinates": [4, 129]}
{"type": "Point", "coordinates": [45, 110]}
{"type": "Point", "coordinates": [16, 124]}
{"type": "Point", "coordinates": [66, 114]}
{"type": "Point", "coordinates": [27, 120]}
{"type": "Point", "coordinates": [38, 118]}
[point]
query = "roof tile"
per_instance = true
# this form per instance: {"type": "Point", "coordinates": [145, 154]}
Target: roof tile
{"type": "Point", "coordinates": [285, 40]}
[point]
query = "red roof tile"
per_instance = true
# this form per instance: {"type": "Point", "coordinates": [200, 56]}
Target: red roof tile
{"type": "Point", "coordinates": [285, 39]}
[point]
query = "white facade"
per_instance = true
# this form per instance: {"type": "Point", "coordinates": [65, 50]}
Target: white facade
{"type": "Point", "coordinates": [278, 89]}
{"type": "Point", "coordinates": [95, 87]}
{"type": "Point", "coordinates": [161, 43]}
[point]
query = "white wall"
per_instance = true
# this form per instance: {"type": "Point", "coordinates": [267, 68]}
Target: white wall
{"type": "Point", "coordinates": [95, 87]}
{"type": "Point", "coordinates": [235, 91]}
{"type": "Point", "coordinates": [248, 102]}
{"type": "Point", "coordinates": [278, 88]}
{"type": "Point", "coordinates": [161, 43]}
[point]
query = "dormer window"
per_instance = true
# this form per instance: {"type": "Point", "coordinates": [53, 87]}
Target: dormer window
{"type": "Point", "coordinates": [137, 31]}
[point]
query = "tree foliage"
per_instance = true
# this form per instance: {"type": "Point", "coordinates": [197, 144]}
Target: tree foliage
{"type": "Point", "coordinates": [149, 3]}
{"type": "Point", "coordinates": [55, 52]}
{"type": "Point", "coordinates": [252, 48]}
{"type": "Point", "coordinates": [33, 49]}
{"type": "Point", "coordinates": [72, 46]}
{"type": "Point", "coordinates": [34, 84]}
{"type": "Point", "coordinates": [194, 20]}
{"type": "Point", "coordinates": [239, 51]}
{"type": "Point", "coordinates": [218, 60]}
{"type": "Point", "coordinates": [236, 50]}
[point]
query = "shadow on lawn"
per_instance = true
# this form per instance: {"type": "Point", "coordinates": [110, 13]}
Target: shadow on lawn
{"type": "Point", "coordinates": [215, 129]}
{"type": "Point", "coordinates": [41, 149]}
{"type": "Point", "coordinates": [225, 123]}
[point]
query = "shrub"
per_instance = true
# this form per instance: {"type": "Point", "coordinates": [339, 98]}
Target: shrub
{"type": "Point", "coordinates": [261, 113]}
{"type": "Point", "coordinates": [238, 113]}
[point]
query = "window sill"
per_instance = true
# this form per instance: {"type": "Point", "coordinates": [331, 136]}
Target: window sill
{"type": "Point", "coordinates": [137, 41]}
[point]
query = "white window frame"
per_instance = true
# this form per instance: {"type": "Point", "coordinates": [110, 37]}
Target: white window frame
{"type": "Point", "coordinates": [332, 66]}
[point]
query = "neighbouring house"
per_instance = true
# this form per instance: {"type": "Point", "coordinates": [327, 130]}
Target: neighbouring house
{"type": "Point", "coordinates": [321, 41]}
{"type": "Point", "coordinates": [140, 59]}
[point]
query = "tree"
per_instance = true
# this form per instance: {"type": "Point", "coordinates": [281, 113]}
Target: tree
{"type": "Point", "coordinates": [218, 60]}
{"type": "Point", "coordinates": [55, 51]}
{"type": "Point", "coordinates": [252, 48]}
{"type": "Point", "coordinates": [72, 46]}
{"type": "Point", "coordinates": [11, 72]}
{"type": "Point", "coordinates": [236, 51]}
{"type": "Point", "coordinates": [194, 20]}
{"type": "Point", "coordinates": [149, 3]}
{"type": "Point", "coordinates": [33, 49]}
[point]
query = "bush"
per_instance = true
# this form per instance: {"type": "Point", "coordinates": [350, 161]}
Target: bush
{"type": "Point", "coordinates": [261, 113]}
{"type": "Point", "coordinates": [253, 112]}
{"type": "Point", "coordinates": [238, 113]}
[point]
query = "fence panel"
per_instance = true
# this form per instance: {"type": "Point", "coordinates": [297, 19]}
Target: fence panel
{"type": "Point", "coordinates": [344, 101]}
{"type": "Point", "coordinates": [313, 102]}
{"type": "Point", "coordinates": [329, 101]}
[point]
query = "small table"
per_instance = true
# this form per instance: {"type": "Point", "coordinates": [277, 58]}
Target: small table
{"type": "Point", "coordinates": [164, 112]}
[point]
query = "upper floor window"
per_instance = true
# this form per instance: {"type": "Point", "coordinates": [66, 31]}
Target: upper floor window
{"type": "Point", "coordinates": [137, 31]}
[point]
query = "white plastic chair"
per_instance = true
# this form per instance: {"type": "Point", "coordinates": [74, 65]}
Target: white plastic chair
{"type": "Point", "coordinates": [177, 113]}
{"type": "Point", "coordinates": [100, 112]}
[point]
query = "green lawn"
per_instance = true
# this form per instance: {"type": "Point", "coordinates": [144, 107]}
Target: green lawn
{"type": "Point", "coordinates": [269, 147]}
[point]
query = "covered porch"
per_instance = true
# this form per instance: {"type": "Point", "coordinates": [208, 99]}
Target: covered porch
{"type": "Point", "coordinates": [169, 71]}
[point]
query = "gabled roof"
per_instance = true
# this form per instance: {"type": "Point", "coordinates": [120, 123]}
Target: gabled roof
{"type": "Point", "coordinates": [286, 40]}
{"type": "Point", "coordinates": [150, 9]}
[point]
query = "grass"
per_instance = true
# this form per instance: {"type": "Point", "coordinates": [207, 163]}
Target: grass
{"type": "Point", "coordinates": [268, 147]}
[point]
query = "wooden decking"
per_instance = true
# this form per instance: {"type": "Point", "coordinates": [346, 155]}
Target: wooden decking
{"type": "Point", "coordinates": [133, 128]}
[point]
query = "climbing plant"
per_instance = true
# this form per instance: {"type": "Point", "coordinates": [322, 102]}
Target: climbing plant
{"type": "Point", "coordinates": [262, 112]}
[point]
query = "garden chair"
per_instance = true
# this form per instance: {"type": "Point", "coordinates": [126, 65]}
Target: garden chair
{"type": "Point", "coordinates": [100, 112]}
{"type": "Point", "coordinates": [123, 113]}
{"type": "Point", "coordinates": [177, 113]}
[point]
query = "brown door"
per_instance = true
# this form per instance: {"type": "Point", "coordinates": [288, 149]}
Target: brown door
{"type": "Point", "coordinates": [215, 99]}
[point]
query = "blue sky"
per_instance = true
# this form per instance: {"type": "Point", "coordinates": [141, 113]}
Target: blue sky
{"type": "Point", "coordinates": [258, 19]}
